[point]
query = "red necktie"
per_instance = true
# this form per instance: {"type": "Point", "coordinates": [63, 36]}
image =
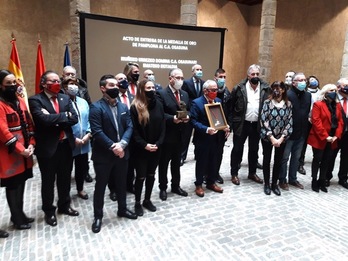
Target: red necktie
{"type": "Point", "coordinates": [133, 89]}
{"type": "Point", "coordinates": [345, 105]}
{"type": "Point", "coordinates": [56, 108]}
{"type": "Point", "coordinates": [124, 98]}
{"type": "Point", "coordinates": [177, 96]}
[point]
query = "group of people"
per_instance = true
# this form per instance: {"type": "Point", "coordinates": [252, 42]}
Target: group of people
{"type": "Point", "coordinates": [137, 126]}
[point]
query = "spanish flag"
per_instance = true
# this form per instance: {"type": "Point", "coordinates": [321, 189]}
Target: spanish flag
{"type": "Point", "coordinates": [40, 67]}
{"type": "Point", "coordinates": [15, 67]}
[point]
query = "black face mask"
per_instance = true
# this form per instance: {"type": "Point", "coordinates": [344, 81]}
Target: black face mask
{"type": "Point", "coordinates": [135, 77]}
{"type": "Point", "coordinates": [123, 84]}
{"type": "Point", "coordinates": [113, 93]}
{"type": "Point", "coordinates": [9, 93]}
{"type": "Point", "coordinates": [331, 95]}
{"type": "Point", "coordinates": [344, 90]}
{"type": "Point", "coordinates": [255, 80]}
{"type": "Point", "coordinates": [150, 94]}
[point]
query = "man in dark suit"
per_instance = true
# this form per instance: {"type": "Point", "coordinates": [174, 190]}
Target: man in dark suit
{"type": "Point", "coordinates": [171, 97]}
{"type": "Point", "coordinates": [206, 140]}
{"type": "Point", "coordinates": [149, 74]}
{"type": "Point", "coordinates": [53, 114]}
{"type": "Point", "coordinates": [194, 88]}
{"type": "Point", "coordinates": [112, 129]}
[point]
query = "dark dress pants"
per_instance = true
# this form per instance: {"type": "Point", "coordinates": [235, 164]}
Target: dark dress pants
{"type": "Point", "coordinates": [320, 162]}
{"type": "Point", "coordinates": [171, 152]}
{"type": "Point", "coordinates": [57, 168]}
{"type": "Point", "coordinates": [249, 131]}
{"type": "Point", "coordinates": [117, 168]}
{"type": "Point", "coordinates": [186, 138]}
{"type": "Point", "coordinates": [81, 170]}
{"type": "Point", "coordinates": [267, 148]}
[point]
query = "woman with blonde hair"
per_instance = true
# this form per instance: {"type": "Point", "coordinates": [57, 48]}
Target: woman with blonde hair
{"type": "Point", "coordinates": [148, 133]}
{"type": "Point", "coordinates": [327, 128]}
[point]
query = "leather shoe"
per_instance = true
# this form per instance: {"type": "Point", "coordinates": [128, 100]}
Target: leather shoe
{"type": "Point", "coordinates": [199, 191]}
{"type": "Point", "coordinates": [235, 180]}
{"type": "Point", "coordinates": [127, 214]}
{"type": "Point", "coordinates": [96, 226]}
{"type": "Point", "coordinates": [51, 220]}
{"type": "Point", "coordinates": [296, 184]}
{"type": "Point", "coordinates": [163, 195]}
{"type": "Point", "coordinates": [343, 184]}
{"type": "Point", "coordinates": [179, 191]}
{"type": "Point", "coordinates": [267, 189]}
{"type": "Point", "coordinates": [284, 186]}
{"type": "Point", "coordinates": [88, 178]}
{"type": "Point", "coordinates": [301, 170]}
{"type": "Point", "coordinates": [148, 205]}
{"type": "Point", "coordinates": [255, 178]}
{"type": "Point", "coordinates": [327, 183]}
{"type": "Point", "coordinates": [138, 209]}
{"type": "Point", "coordinates": [113, 196]}
{"type": "Point", "coordinates": [182, 162]}
{"type": "Point", "coordinates": [82, 195]}
{"type": "Point", "coordinates": [3, 234]}
{"type": "Point", "coordinates": [22, 226]}
{"type": "Point", "coordinates": [219, 179]}
{"type": "Point", "coordinates": [215, 188]}
{"type": "Point", "coordinates": [69, 211]}
{"type": "Point", "coordinates": [275, 189]}
{"type": "Point", "coordinates": [259, 166]}
{"type": "Point", "coordinates": [26, 219]}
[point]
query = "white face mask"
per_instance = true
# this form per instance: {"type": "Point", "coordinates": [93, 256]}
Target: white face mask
{"type": "Point", "coordinates": [288, 81]}
{"type": "Point", "coordinates": [151, 77]}
{"type": "Point", "coordinates": [178, 84]}
{"type": "Point", "coordinates": [72, 89]}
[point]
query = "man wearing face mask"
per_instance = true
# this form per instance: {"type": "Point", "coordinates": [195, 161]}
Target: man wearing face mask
{"type": "Point", "coordinates": [313, 88]}
{"type": "Point", "coordinates": [342, 96]}
{"type": "Point", "coordinates": [171, 98]}
{"type": "Point", "coordinates": [131, 70]}
{"type": "Point", "coordinates": [149, 74]}
{"type": "Point", "coordinates": [54, 115]}
{"type": "Point", "coordinates": [223, 94]}
{"type": "Point", "coordinates": [194, 88]}
{"type": "Point", "coordinates": [244, 107]}
{"type": "Point", "coordinates": [112, 129]}
{"type": "Point", "coordinates": [206, 140]}
{"type": "Point", "coordinates": [288, 79]}
{"type": "Point", "coordinates": [301, 104]}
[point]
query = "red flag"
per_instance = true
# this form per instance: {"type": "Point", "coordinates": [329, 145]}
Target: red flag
{"type": "Point", "coordinates": [15, 67]}
{"type": "Point", "coordinates": [40, 67]}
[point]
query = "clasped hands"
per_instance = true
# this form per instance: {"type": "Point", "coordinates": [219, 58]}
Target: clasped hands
{"type": "Point", "coordinates": [151, 147]}
{"type": "Point", "coordinates": [331, 139]}
{"type": "Point", "coordinates": [28, 151]}
{"type": "Point", "coordinates": [276, 142]}
{"type": "Point", "coordinates": [212, 131]}
{"type": "Point", "coordinates": [117, 150]}
{"type": "Point", "coordinates": [84, 140]}
{"type": "Point", "coordinates": [176, 120]}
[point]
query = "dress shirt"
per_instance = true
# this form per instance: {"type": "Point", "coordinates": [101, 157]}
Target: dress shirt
{"type": "Point", "coordinates": [253, 96]}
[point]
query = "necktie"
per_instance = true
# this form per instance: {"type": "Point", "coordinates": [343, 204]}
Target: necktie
{"type": "Point", "coordinates": [198, 89]}
{"type": "Point", "coordinates": [133, 91]}
{"type": "Point", "coordinates": [56, 108]}
{"type": "Point", "coordinates": [345, 105]}
{"type": "Point", "coordinates": [177, 96]}
{"type": "Point", "coordinates": [125, 100]}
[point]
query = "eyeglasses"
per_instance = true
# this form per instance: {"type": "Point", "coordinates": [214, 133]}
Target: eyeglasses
{"type": "Point", "coordinates": [212, 90]}
{"type": "Point", "coordinates": [53, 81]}
{"type": "Point", "coordinates": [255, 74]}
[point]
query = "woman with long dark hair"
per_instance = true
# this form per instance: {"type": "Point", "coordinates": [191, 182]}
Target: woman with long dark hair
{"type": "Point", "coordinates": [148, 134]}
{"type": "Point", "coordinates": [327, 129]}
{"type": "Point", "coordinates": [16, 148]}
{"type": "Point", "coordinates": [276, 128]}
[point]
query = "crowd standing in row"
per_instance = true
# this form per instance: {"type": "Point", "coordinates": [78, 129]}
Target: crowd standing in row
{"type": "Point", "coordinates": [137, 126]}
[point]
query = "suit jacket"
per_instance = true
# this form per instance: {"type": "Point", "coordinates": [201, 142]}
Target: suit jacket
{"type": "Point", "coordinates": [200, 122]}
{"type": "Point", "coordinates": [130, 98]}
{"type": "Point", "coordinates": [49, 126]}
{"type": "Point", "coordinates": [104, 129]}
{"type": "Point", "coordinates": [189, 87]}
{"type": "Point", "coordinates": [171, 106]}
{"type": "Point", "coordinates": [321, 125]}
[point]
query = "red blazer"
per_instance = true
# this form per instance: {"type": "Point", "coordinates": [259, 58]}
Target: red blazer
{"type": "Point", "coordinates": [321, 125]}
{"type": "Point", "coordinates": [13, 163]}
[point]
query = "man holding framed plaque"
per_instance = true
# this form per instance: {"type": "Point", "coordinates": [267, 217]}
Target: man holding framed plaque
{"type": "Point", "coordinates": [209, 122]}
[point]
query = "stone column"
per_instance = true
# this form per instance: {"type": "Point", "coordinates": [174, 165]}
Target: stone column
{"type": "Point", "coordinates": [268, 17]}
{"type": "Point", "coordinates": [188, 12]}
{"type": "Point", "coordinates": [344, 68]}
{"type": "Point", "coordinates": [75, 7]}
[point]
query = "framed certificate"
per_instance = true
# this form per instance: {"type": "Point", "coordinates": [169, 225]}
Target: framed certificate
{"type": "Point", "coordinates": [216, 116]}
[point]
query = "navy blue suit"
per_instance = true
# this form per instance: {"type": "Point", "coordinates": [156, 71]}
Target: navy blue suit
{"type": "Point", "coordinates": [206, 145]}
{"type": "Point", "coordinates": [54, 155]}
{"type": "Point", "coordinates": [105, 162]}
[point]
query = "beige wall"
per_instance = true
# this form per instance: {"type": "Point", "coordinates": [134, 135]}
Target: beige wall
{"type": "Point", "coordinates": [309, 34]}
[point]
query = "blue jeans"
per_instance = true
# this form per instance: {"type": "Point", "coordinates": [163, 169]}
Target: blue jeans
{"type": "Point", "coordinates": [293, 147]}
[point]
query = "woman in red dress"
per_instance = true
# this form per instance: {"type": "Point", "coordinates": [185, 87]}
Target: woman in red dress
{"type": "Point", "coordinates": [16, 148]}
